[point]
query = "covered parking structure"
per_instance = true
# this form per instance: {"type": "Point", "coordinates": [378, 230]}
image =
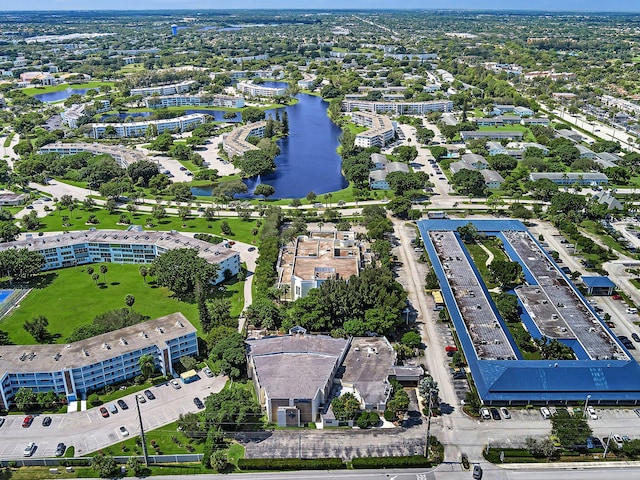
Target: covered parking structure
{"type": "Point", "coordinates": [598, 285]}
{"type": "Point", "coordinates": [604, 368]}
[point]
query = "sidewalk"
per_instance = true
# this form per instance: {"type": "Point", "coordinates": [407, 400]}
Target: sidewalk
{"type": "Point", "coordinates": [567, 465]}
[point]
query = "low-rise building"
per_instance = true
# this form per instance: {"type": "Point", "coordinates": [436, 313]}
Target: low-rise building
{"type": "Point", "coordinates": [491, 135]}
{"type": "Point", "coordinates": [381, 129]}
{"type": "Point", "coordinates": [571, 178]}
{"type": "Point", "coordinates": [572, 135]}
{"type": "Point", "coordinates": [498, 121]}
{"type": "Point", "coordinates": [253, 90]}
{"type": "Point", "coordinates": [163, 101]}
{"type": "Point", "coordinates": [235, 143]}
{"type": "Point", "coordinates": [308, 261]}
{"type": "Point", "coordinates": [398, 108]}
{"type": "Point", "coordinates": [79, 368]}
{"type": "Point", "coordinates": [606, 198]}
{"type": "Point", "coordinates": [13, 199]}
{"type": "Point", "coordinates": [586, 152]}
{"type": "Point", "coordinates": [138, 129]}
{"type": "Point", "coordinates": [122, 155]}
{"type": "Point", "coordinates": [542, 121]}
{"type": "Point", "coordinates": [378, 176]}
{"type": "Point", "coordinates": [492, 179]}
{"type": "Point", "coordinates": [606, 159]}
{"type": "Point", "coordinates": [172, 89]}
{"type": "Point", "coordinates": [118, 246]}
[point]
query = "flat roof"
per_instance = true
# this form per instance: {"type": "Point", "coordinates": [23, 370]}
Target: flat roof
{"type": "Point", "coordinates": [295, 366]}
{"type": "Point", "coordinates": [164, 240]}
{"type": "Point", "coordinates": [56, 357]}
{"type": "Point", "coordinates": [612, 380]}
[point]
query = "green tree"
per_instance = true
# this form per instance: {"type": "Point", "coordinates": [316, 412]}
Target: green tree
{"type": "Point", "coordinates": [412, 339]}
{"type": "Point", "coordinates": [188, 362]}
{"type": "Point", "coordinates": [230, 355]}
{"type": "Point", "coordinates": [104, 465]}
{"type": "Point", "coordinates": [143, 273]}
{"type": "Point", "coordinates": [505, 272]}
{"type": "Point", "coordinates": [38, 328]}
{"type": "Point", "coordinates": [103, 271]}
{"type": "Point", "coordinates": [231, 409]}
{"type": "Point", "coordinates": [265, 190]}
{"type": "Point", "coordinates": [346, 407]}
{"type": "Point", "coordinates": [570, 429]}
{"type": "Point", "coordinates": [25, 399]}
{"type": "Point", "coordinates": [147, 365]}
{"type": "Point", "coordinates": [469, 182]}
{"type": "Point", "coordinates": [129, 300]}
{"type": "Point", "coordinates": [141, 172]}
{"type": "Point", "coordinates": [180, 269]}
{"type": "Point", "coordinates": [219, 461]}
{"type": "Point", "coordinates": [162, 143]}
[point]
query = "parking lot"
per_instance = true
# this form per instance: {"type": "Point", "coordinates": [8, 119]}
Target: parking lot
{"type": "Point", "coordinates": [88, 431]}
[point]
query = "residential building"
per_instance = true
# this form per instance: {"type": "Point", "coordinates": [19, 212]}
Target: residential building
{"type": "Point", "coordinates": [497, 121]}
{"type": "Point", "coordinates": [553, 75]}
{"type": "Point", "coordinates": [606, 159]}
{"type": "Point", "coordinates": [491, 135]}
{"type": "Point", "coordinates": [543, 121]}
{"type": "Point", "coordinates": [496, 148]}
{"type": "Point", "coordinates": [39, 78]}
{"type": "Point", "coordinates": [235, 143]}
{"type": "Point", "coordinates": [253, 90]}
{"type": "Point", "coordinates": [502, 109]}
{"type": "Point", "coordinates": [563, 96]}
{"type": "Point", "coordinates": [308, 261]}
{"type": "Point", "coordinates": [138, 129]}
{"type": "Point", "coordinates": [571, 178]}
{"type": "Point", "coordinates": [72, 114]}
{"type": "Point", "coordinates": [586, 152]}
{"type": "Point", "coordinates": [378, 176]}
{"type": "Point", "coordinates": [523, 111]}
{"type": "Point", "coordinates": [472, 161]}
{"type": "Point", "coordinates": [625, 105]}
{"type": "Point", "coordinates": [381, 130]}
{"type": "Point", "coordinates": [492, 179]}
{"type": "Point", "coordinates": [118, 246]}
{"type": "Point", "coordinates": [293, 374]}
{"type": "Point", "coordinates": [79, 368]}
{"type": "Point", "coordinates": [606, 198]}
{"type": "Point", "coordinates": [398, 108]}
{"type": "Point", "coordinates": [122, 155]}
{"type": "Point", "coordinates": [163, 101]}
{"type": "Point", "coordinates": [172, 89]}
{"type": "Point", "coordinates": [572, 135]}
{"type": "Point", "coordinates": [13, 199]}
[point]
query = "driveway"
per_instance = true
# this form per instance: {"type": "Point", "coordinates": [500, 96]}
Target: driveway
{"type": "Point", "coordinates": [87, 431]}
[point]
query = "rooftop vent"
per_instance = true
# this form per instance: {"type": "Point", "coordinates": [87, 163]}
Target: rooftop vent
{"type": "Point", "coordinates": [23, 357]}
{"type": "Point", "coordinates": [86, 353]}
{"type": "Point", "coordinates": [106, 346]}
{"type": "Point", "coordinates": [159, 330]}
{"type": "Point", "coordinates": [179, 324]}
{"type": "Point", "coordinates": [123, 341]}
{"type": "Point", "coordinates": [57, 356]}
{"type": "Point", "coordinates": [143, 334]}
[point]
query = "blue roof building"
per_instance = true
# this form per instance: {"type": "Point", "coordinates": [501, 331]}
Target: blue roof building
{"type": "Point", "coordinates": [551, 306]}
{"type": "Point", "coordinates": [598, 285]}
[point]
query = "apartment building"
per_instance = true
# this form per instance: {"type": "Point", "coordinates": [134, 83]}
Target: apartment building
{"type": "Point", "coordinates": [123, 156]}
{"type": "Point", "coordinates": [138, 129]}
{"type": "Point", "coordinates": [235, 143]}
{"type": "Point", "coordinates": [172, 89]}
{"type": "Point", "coordinates": [381, 129]}
{"type": "Point", "coordinates": [79, 368]}
{"type": "Point", "coordinates": [397, 108]}
{"type": "Point", "coordinates": [226, 101]}
{"type": "Point", "coordinates": [118, 246]}
{"type": "Point", "coordinates": [248, 88]}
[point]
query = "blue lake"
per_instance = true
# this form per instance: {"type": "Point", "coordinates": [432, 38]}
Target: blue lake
{"type": "Point", "coordinates": [308, 160]}
{"type": "Point", "coordinates": [61, 95]}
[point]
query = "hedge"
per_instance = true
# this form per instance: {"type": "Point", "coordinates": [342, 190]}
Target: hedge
{"type": "Point", "coordinates": [390, 462]}
{"type": "Point", "coordinates": [291, 464]}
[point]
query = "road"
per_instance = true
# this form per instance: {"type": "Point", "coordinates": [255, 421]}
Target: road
{"type": "Point", "coordinates": [443, 472]}
{"type": "Point", "coordinates": [88, 432]}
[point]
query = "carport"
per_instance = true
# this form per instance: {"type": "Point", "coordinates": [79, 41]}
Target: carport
{"type": "Point", "coordinates": [598, 285]}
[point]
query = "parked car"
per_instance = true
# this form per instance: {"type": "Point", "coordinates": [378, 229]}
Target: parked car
{"type": "Point", "coordinates": [198, 403]}
{"type": "Point", "coordinates": [616, 297]}
{"type": "Point", "coordinates": [175, 384]}
{"type": "Point", "coordinates": [29, 449]}
{"type": "Point", "coordinates": [141, 398]}
{"type": "Point", "coordinates": [113, 408]}
{"type": "Point", "coordinates": [104, 412]}
{"type": "Point", "coordinates": [28, 420]}
{"type": "Point", "coordinates": [149, 395]}
{"type": "Point", "coordinates": [546, 414]}
{"type": "Point", "coordinates": [477, 472]}
{"type": "Point", "coordinates": [485, 414]}
{"type": "Point", "coordinates": [505, 413]}
{"type": "Point", "coordinates": [46, 421]}
{"type": "Point", "coordinates": [207, 371]}
{"type": "Point", "coordinates": [450, 348]}
{"type": "Point", "coordinates": [635, 337]}
{"type": "Point", "coordinates": [123, 431]}
{"type": "Point", "coordinates": [123, 405]}
{"type": "Point", "coordinates": [592, 413]}
{"type": "Point", "coordinates": [495, 414]}
{"type": "Point", "coordinates": [60, 449]}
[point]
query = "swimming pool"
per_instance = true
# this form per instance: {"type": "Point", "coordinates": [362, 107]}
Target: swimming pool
{"type": "Point", "coordinates": [4, 294]}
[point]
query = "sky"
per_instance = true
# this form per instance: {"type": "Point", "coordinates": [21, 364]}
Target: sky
{"type": "Point", "coordinates": [550, 5]}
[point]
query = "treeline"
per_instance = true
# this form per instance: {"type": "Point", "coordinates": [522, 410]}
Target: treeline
{"type": "Point", "coordinates": [107, 322]}
{"type": "Point", "coordinates": [266, 274]}
{"type": "Point", "coordinates": [20, 264]}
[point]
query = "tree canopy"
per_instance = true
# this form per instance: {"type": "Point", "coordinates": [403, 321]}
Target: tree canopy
{"type": "Point", "coordinates": [181, 269]}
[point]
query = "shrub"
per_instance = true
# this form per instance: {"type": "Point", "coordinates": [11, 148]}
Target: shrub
{"type": "Point", "coordinates": [290, 464]}
{"type": "Point", "coordinates": [414, 461]}
{"type": "Point", "coordinates": [94, 400]}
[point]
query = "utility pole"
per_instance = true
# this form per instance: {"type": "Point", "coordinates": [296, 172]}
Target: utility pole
{"type": "Point", "coordinates": [428, 426]}
{"type": "Point", "coordinates": [144, 441]}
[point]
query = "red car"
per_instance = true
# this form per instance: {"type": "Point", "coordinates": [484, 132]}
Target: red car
{"type": "Point", "coordinates": [450, 348]}
{"type": "Point", "coordinates": [616, 297]}
{"type": "Point", "coordinates": [104, 412]}
{"type": "Point", "coordinates": [28, 420]}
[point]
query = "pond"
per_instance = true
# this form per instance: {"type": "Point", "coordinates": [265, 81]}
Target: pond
{"type": "Point", "coordinates": [308, 159]}
{"type": "Point", "coordinates": [61, 95]}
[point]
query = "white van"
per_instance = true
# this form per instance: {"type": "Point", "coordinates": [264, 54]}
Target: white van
{"type": "Point", "coordinates": [546, 414]}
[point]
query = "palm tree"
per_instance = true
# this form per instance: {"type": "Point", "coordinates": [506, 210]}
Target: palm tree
{"type": "Point", "coordinates": [90, 270]}
{"type": "Point", "coordinates": [254, 232]}
{"type": "Point", "coordinates": [95, 278]}
{"type": "Point", "coordinates": [129, 300]}
{"type": "Point", "coordinates": [147, 364]}
{"type": "Point", "coordinates": [143, 272]}
{"type": "Point", "coordinates": [103, 271]}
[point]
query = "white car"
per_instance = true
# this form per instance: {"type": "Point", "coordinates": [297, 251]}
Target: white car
{"type": "Point", "coordinates": [485, 414]}
{"type": "Point", "coordinates": [207, 371]}
{"type": "Point", "coordinates": [175, 384]}
{"type": "Point", "coordinates": [141, 398]}
{"type": "Point", "coordinates": [123, 431]}
{"type": "Point", "coordinates": [30, 448]}
{"type": "Point", "coordinates": [592, 413]}
{"type": "Point", "coordinates": [546, 414]}
{"type": "Point", "coordinates": [505, 413]}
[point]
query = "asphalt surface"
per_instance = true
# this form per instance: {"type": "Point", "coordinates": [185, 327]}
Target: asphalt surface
{"type": "Point", "coordinates": [87, 431]}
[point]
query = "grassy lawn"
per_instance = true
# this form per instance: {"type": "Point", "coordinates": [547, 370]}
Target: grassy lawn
{"type": "Point", "coordinates": [240, 229]}
{"type": "Point", "coordinates": [69, 297]}
{"type": "Point", "coordinates": [64, 86]}
{"type": "Point", "coordinates": [480, 258]}
{"type": "Point", "coordinates": [356, 128]}
{"type": "Point", "coordinates": [133, 68]}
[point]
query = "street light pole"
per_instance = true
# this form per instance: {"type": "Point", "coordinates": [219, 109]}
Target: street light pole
{"type": "Point", "coordinates": [427, 451]}
{"type": "Point", "coordinates": [586, 404]}
{"type": "Point", "coordinates": [144, 442]}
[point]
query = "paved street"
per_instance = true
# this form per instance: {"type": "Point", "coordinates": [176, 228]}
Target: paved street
{"type": "Point", "coordinates": [87, 431]}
